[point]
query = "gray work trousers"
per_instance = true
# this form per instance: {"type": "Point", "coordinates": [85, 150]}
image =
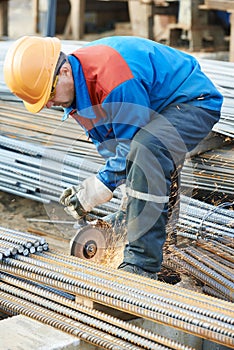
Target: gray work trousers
{"type": "Point", "coordinates": [157, 151]}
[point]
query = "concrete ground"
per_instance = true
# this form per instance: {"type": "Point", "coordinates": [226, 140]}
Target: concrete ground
{"type": "Point", "coordinates": [23, 333]}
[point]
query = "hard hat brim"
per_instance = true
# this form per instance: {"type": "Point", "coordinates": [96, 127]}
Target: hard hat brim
{"type": "Point", "coordinates": [37, 107]}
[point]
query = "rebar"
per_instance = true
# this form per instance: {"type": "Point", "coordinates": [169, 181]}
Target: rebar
{"type": "Point", "coordinates": [124, 298]}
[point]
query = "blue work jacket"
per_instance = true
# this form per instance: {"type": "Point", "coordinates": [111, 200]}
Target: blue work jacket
{"type": "Point", "coordinates": [121, 83]}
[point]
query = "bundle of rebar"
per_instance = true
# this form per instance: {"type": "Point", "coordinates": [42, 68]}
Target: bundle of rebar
{"type": "Point", "coordinates": [208, 255]}
{"type": "Point", "coordinates": [15, 242]}
{"type": "Point", "coordinates": [45, 129]}
{"type": "Point", "coordinates": [211, 171]}
{"type": "Point", "coordinates": [41, 173]}
{"type": "Point", "coordinates": [221, 74]}
{"type": "Point", "coordinates": [50, 287]}
{"type": "Point", "coordinates": [202, 220]}
{"type": "Point", "coordinates": [209, 262]}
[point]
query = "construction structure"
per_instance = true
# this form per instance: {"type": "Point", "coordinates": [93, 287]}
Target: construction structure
{"type": "Point", "coordinates": [194, 25]}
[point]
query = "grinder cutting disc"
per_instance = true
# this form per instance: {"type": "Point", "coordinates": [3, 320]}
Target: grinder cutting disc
{"type": "Point", "coordinates": [91, 241]}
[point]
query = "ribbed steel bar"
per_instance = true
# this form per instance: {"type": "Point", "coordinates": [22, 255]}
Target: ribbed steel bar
{"type": "Point", "coordinates": [147, 297]}
{"type": "Point", "coordinates": [213, 254]}
{"type": "Point", "coordinates": [84, 332]}
{"type": "Point", "coordinates": [12, 248]}
{"type": "Point", "coordinates": [145, 285]}
{"type": "Point", "coordinates": [204, 273]}
{"type": "Point", "coordinates": [52, 268]}
{"type": "Point", "coordinates": [23, 193]}
{"type": "Point", "coordinates": [209, 207]}
{"type": "Point", "coordinates": [211, 291]}
{"type": "Point", "coordinates": [129, 302]}
{"type": "Point", "coordinates": [200, 219]}
{"type": "Point", "coordinates": [197, 254]}
{"type": "Point", "coordinates": [14, 239]}
{"type": "Point", "coordinates": [224, 247]}
{"type": "Point", "coordinates": [51, 295]}
{"type": "Point", "coordinates": [59, 258]}
{"type": "Point", "coordinates": [56, 171]}
{"type": "Point", "coordinates": [34, 239]}
{"type": "Point", "coordinates": [56, 136]}
{"type": "Point", "coordinates": [212, 246]}
{"type": "Point", "coordinates": [84, 317]}
{"type": "Point", "coordinates": [210, 216]}
{"type": "Point", "coordinates": [202, 276]}
{"type": "Point", "coordinates": [211, 171]}
{"type": "Point", "coordinates": [202, 229]}
{"type": "Point", "coordinates": [5, 252]}
{"type": "Point", "coordinates": [201, 266]}
{"type": "Point", "coordinates": [49, 171]}
{"type": "Point", "coordinates": [13, 242]}
{"type": "Point", "coordinates": [204, 218]}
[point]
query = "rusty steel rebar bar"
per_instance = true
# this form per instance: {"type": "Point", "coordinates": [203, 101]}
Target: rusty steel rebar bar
{"type": "Point", "coordinates": [128, 298]}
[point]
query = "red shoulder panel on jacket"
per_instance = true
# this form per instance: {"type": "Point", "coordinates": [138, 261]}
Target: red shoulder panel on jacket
{"type": "Point", "coordinates": [104, 69]}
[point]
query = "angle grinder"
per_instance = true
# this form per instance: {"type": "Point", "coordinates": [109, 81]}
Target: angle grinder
{"type": "Point", "coordinates": [94, 237]}
{"type": "Point", "coordinates": [91, 239]}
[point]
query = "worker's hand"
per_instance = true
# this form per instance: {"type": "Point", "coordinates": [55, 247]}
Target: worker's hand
{"type": "Point", "coordinates": [71, 202]}
{"type": "Point", "coordinates": [79, 200]}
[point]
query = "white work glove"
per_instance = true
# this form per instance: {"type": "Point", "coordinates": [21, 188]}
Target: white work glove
{"type": "Point", "coordinates": [79, 200]}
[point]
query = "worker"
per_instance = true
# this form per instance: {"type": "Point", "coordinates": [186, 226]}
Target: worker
{"type": "Point", "coordinates": [143, 104]}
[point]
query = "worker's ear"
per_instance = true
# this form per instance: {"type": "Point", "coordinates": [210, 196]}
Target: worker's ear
{"type": "Point", "coordinates": [66, 69]}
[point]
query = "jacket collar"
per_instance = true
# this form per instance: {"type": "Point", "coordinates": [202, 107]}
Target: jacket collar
{"type": "Point", "coordinates": [82, 103]}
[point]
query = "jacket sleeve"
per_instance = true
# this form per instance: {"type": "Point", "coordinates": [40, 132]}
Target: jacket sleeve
{"type": "Point", "coordinates": [127, 107]}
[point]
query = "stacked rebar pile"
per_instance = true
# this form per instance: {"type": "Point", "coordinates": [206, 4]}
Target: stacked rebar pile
{"type": "Point", "coordinates": [211, 171]}
{"type": "Point", "coordinates": [14, 242]}
{"type": "Point", "coordinates": [45, 129]}
{"type": "Point", "coordinates": [44, 286]}
{"type": "Point", "coordinates": [209, 256]}
{"type": "Point", "coordinates": [211, 263]}
{"type": "Point", "coordinates": [222, 75]}
{"type": "Point", "coordinates": [41, 173]}
{"type": "Point", "coordinates": [202, 220]}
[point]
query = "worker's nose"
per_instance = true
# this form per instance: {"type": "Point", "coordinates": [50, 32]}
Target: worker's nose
{"type": "Point", "coordinates": [49, 104]}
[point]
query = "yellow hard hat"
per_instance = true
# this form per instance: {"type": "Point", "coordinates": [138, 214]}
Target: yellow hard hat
{"type": "Point", "coordinates": [29, 68]}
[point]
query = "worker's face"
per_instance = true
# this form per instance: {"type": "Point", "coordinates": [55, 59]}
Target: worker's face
{"type": "Point", "coordinates": [64, 89]}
